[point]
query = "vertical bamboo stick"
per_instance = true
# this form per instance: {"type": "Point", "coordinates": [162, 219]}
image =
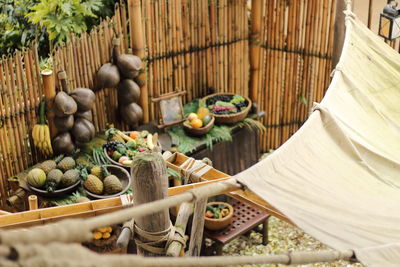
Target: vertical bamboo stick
{"type": "Point", "coordinates": [137, 45]}
{"type": "Point", "coordinates": [49, 94]}
{"type": "Point", "coordinates": [33, 202]}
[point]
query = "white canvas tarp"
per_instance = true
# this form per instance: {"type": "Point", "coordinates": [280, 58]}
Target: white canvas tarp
{"type": "Point", "coordinates": [338, 177]}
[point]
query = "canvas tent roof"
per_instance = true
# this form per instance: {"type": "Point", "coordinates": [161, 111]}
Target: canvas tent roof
{"type": "Point", "coordinates": [338, 177]}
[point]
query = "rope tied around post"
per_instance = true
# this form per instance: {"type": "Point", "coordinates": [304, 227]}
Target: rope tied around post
{"type": "Point", "coordinates": [193, 170]}
{"type": "Point", "coordinates": [156, 238]}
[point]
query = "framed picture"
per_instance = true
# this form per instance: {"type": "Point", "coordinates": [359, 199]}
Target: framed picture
{"type": "Point", "coordinates": [171, 109]}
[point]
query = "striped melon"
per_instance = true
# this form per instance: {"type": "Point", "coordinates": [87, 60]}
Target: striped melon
{"type": "Point", "coordinates": [36, 177]}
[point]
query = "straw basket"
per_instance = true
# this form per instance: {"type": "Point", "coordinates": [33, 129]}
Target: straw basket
{"type": "Point", "coordinates": [199, 131]}
{"type": "Point", "coordinates": [230, 118]}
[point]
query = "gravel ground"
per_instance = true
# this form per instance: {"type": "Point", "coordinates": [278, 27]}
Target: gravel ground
{"type": "Point", "coordinates": [282, 237]}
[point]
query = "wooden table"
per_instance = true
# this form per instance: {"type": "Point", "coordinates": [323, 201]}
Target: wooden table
{"type": "Point", "coordinates": [245, 218]}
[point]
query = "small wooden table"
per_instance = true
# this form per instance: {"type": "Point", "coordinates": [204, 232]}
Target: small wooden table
{"type": "Point", "coordinates": [245, 218]}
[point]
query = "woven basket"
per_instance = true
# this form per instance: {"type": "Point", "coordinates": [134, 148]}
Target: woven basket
{"type": "Point", "coordinates": [230, 118]}
{"type": "Point", "coordinates": [199, 131]}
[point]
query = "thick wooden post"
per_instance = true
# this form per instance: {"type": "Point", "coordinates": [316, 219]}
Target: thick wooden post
{"type": "Point", "coordinates": [138, 49]}
{"type": "Point", "coordinates": [150, 183]}
{"type": "Point", "coordinates": [185, 211]}
{"type": "Point", "coordinates": [196, 236]}
{"type": "Point", "coordinates": [339, 31]}
{"type": "Point", "coordinates": [49, 93]}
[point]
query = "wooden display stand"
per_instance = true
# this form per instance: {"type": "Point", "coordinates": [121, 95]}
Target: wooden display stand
{"type": "Point", "coordinates": [103, 206]}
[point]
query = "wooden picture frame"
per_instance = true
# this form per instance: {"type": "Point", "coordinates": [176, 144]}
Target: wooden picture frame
{"type": "Point", "coordinates": [170, 108]}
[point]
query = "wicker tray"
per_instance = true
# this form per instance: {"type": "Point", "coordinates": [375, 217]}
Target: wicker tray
{"type": "Point", "coordinates": [199, 131]}
{"type": "Point", "coordinates": [230, 118]}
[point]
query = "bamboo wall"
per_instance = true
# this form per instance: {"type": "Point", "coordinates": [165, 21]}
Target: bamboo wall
{"type": "Point", "coordinates": [291, 62]}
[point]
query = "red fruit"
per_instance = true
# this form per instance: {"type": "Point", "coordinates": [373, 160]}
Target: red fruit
{"type": "Point", "coordinates": [141, 149]}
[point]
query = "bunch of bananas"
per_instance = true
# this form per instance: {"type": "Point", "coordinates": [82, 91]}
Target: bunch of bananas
{"type": "Point", "coordinates": [41, 133]}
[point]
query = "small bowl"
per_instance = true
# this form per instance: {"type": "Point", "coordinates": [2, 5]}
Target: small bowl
{"type": "Point", "coordinates": [199, 131]}
{"type": "Point", "coordinates": [218, 224]}
{"type": "Point", "coordinates": [55, 193]}
{"type": "Point", "coordinates": [122, 174]}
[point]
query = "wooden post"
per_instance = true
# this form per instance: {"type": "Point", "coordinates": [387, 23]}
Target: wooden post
{"type": "Point", "coordinates": [33, 202]}
{"type": "Point", "coordinates": [185, 211]}
{"type": "Point", "coordinates": [49, 93]}
{"type": "Point", "coordinates": [196, 236]}
{"type": "Point", "coordinates": [339, 31]}
{"type": "Point", "coordinates": [255, 48]}
{"type": "Point", "coordinates": [138, 49]}
{"type": "Point", "coordinates": [150, 183]}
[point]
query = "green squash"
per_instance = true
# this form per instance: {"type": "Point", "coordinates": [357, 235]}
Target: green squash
{"type": "Point", "coordinates": [36, 177]}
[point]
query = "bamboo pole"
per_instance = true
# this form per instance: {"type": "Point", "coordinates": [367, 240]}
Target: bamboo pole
{"type": "Point", "coordinates": [339, 32]}
{"type": "Point", "coordinates": [255, 49]}
{"type": "Point", "coordinates": [137, 44]}
{"type": "Point", "coordinates": [185, 210]}
{"type": "Point", "coordinates": [49, 94]}
{"type": "Point", "coordinates": [33, 202]}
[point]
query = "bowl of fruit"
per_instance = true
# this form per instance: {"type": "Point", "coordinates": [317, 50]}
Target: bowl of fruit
{"type": "Point", "coordinates": [228, 108]}
{"type": "Point", "coordinates": [105, 181]}
{"type": "Point", "coordinates": [122, 147]}
{"type": "Point", "coordinates": [54, 178]}
{"type": "Point", "coordinates": [197, 125]}
{"type": "Point", "coordinates": [218, 215]}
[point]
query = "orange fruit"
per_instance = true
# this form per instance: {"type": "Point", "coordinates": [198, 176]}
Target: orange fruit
{"type": "Point", "coordinates": [134, 134]}
{"type": "Point", "coordinates": [202, 112]}
{"type": "Point", "coordinates": [197, 123]}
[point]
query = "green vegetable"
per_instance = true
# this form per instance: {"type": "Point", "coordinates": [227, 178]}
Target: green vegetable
{"type": "Point", "coordinates": [116, 155]}
{"type": "Point", "coordinates": [121, 149]}
{"type": "Point", "coordinates": [224, 104]}
{"type": "Point", "coordinates": [237, 99]}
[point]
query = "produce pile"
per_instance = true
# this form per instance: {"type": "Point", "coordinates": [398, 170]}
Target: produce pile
{"type": "Point", "coordinates": [217, 211]}
{"type": "Point", "coordinates": [120, 74]}
{"type": "Point", "coordinates": [122, 148]}
{"type": "Point", "coordinates": [102, 233]}
{"type": "Point", "coordinates": [226, 104]}
{"type": "Point", "coordinates": [199, 119]}
{"type": "Point", "coordinates": [73, 118]}
{"type": "Point", "coordinates": [51, 175]}
{"type": "Point", "coordinates": [100, 181]}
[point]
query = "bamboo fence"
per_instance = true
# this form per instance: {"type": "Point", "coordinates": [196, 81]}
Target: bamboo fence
{"type": "Point", "coordinates": [278, 53]}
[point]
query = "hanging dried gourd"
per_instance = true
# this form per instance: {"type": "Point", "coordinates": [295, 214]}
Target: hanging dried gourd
{"type": "Point", "coordinates": [132, 114]}
{"type": "Point", "coordinates": [84, 98]}
{"type": "Point", "coordinates": [128, 92]}
{"type": "Point", "coordinates": [63, 144]}
{"type": "Point", "coordinates": [64, 104]}
{"type": "Point", "coordinates": [64, 124]}
{"type": "Point", "coordinates": [83, 130]}
{"type": "Point", "coordinates": [85, 115]}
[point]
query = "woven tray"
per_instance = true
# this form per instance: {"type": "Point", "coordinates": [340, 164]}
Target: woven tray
{"type": "Point", "coordinates": [230, 118]}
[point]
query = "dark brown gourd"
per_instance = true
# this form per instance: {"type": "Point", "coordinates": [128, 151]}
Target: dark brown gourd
{"type": "Point", "coordinates": [63, 144]}
{"type": "Point", "coordinates": [64, 124]}
{"type": "Point", "coordinates": [132, 114]}
{"type": "Point", "coordinates": [87, 115]}
{"type": "Point", "coordinates": [128, 92]}
{"type": "Point", "coordinates": [84, 98]}
{"type": "Point", "coordinates": [128, 65]}
{"type": "Point", "coordinates": [83, 130]}
{"type": "Point", "coordinates": [108, 76]}
{"type": "Point", "coordinates": [64, 105]}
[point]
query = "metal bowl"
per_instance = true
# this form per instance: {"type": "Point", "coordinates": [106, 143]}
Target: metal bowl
{"type": "Point", "coordinates": [122, 174]}
{"type": "Point", "coordinates": [55, 193]}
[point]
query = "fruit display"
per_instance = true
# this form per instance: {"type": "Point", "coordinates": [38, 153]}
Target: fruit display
{"type": "Point", "coordinates": [199, 123]}
{"type": "Point", "coordinates": [226, 104]}
{"type": "Point", "coordinates": [106, 180]}
{"type": "Point", "coordinates": [122, 148]}
{"type": "Point", "coordinates": [73, 117]}
{"type": "Point", "coordinates": [120, 74]}
{"type": "Point", "coordinates": [217, 211]}
{"type": "Point", "coordinates": [52, 175]}
{"type": "Point", "coordinates": [102, 233]}
{"type": "Point", "coordinates": [41, 133]}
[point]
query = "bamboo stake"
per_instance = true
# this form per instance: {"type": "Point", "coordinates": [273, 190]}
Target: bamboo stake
{"type": "Point", "coordinates": [49, 94]}
{"type": "Point", "coordinates": [33, 202]}
{"type": "Point", "coordinates": [137, 45]}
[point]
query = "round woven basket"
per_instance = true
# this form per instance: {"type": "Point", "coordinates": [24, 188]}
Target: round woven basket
{"type": "Point", "coordinates": [230, 118]}
{"type": "Point", "coordinates": [218, 224]}
{"type": "Point", "coordinates": [199, 131]}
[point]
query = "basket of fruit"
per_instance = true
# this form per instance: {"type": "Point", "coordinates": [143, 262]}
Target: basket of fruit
{"type": "Point", "coordinates": [218, 215]}
{"type": "Point", "coordinates": [228, 108]}
{"type": "Point", "coordinates": [195, 126]}
{"type": "Point", "coordinates": [53, 178]}
{"type": "Point", "coordinates": [104, 240]}
{"type": "Point", "coordinates": [123, 147]}
{"type": "Point", "coordinates": [109, 181]}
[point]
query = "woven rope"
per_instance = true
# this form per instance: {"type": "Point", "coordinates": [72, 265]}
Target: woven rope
{"type": "Point", "coordinates": [193, 170]}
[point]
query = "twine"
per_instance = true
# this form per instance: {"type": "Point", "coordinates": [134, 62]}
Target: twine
{"type": "Point", "coordinates": [193, 170]}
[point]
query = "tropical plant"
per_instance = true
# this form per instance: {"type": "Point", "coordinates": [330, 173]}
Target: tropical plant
{"type": "Point", "coordinates": [60, 18]}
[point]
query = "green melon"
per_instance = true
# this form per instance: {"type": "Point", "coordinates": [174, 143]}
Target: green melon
{"type": "Point", "coordinates": [36, 177]}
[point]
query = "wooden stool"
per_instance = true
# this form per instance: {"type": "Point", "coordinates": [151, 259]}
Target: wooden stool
{"type": "Point", "coordinates": [245, 218]}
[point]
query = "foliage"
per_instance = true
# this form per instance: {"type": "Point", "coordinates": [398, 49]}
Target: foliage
{"type": "Point", "coordinates": [173, 173]}
{"type": "Point", "coordinates": [191, 107]}
{"type": "Point", "coordinates": [60, 18]}
{"type": "Point", "coordinates": [251, 124]}
{"type": "Point", "coordinates": [187, 144]}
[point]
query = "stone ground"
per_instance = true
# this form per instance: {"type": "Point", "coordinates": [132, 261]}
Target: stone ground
{"type": "Point", "coordinates": [282, 237]}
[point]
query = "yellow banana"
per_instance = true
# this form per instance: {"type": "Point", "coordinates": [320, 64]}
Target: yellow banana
{"type": "Point", "coordinates": [35, 134]}
{"type": "Point", "coordinates": [47, 140]}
